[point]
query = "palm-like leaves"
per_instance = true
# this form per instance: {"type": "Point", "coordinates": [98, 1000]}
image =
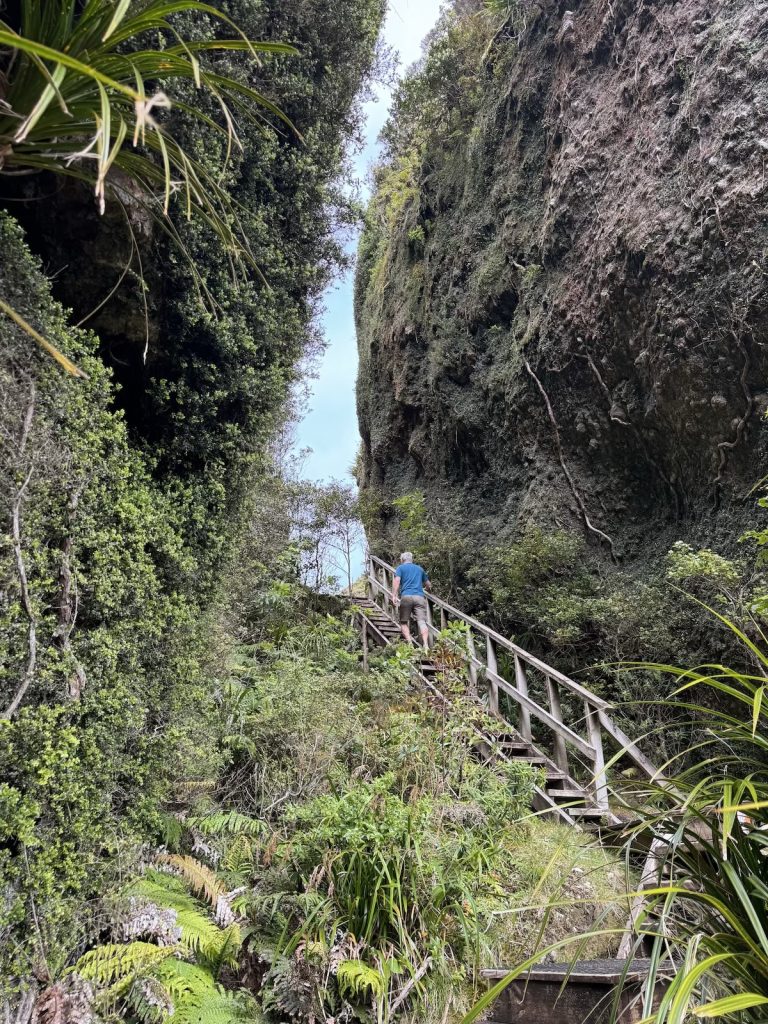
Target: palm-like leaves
{"type": "Point", "coordinates": [81, 96]}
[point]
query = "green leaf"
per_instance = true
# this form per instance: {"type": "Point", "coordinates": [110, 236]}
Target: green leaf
{"type": "Point", "coordinates": [730, 1004]}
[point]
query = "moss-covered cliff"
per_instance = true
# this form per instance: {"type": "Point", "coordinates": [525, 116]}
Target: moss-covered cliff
{"type": "Point", "coordinates": [561, 299]}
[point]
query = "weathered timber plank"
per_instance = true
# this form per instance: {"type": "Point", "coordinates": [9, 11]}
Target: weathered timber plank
{"type": "Point", "coordinates": [544, 716]}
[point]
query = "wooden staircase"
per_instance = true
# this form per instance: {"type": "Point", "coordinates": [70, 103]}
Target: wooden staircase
{"type": "Point", "coordinates": [559, 795]}
{"type": "Point", "coordinates": [570, 754]}
{"type": "Point", "coordinates": [535, 715]}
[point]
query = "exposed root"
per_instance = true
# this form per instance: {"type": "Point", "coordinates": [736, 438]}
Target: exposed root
{"type": "Point", "coordinates": [725, 446]}
{"type": "Point", "coordinates": [567, 473]}
{"type": "Point", "coordinates": [68, 602]}
{"type": "Point", "coordinates": [21, 570]}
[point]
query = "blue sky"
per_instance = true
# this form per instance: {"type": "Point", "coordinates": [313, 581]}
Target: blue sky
{"type": "Point", "coordinates": [329, 428]}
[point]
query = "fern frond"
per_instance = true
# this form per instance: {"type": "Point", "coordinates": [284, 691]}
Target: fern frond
{"type": "Point", "coordinates": [164, 890]}
{"type": "Point", "coordinates": [192, 786]}
{"type": "Point", "coordinates": [357, 979]}
{"type": "Point", "coordinates": [230, 947]}
{"type": "Point", "coordinates": [173, 829]}
{"type": "Point", "coordinates": [184, 980]}
{"type": "Point", "coordinates": [201, 879]}
{"type": "Point", "coordinates": [227, 823]}
{"type": "Point", "coordinates": [239, 857]}
{"type": "Point", "coordinates": [219, 1008]}
{"type": "Point", "coordinates": [115, 962]}
{"type": "Point", "coordinates": [149, 1000]}
{"type": "Point", "coordinates": [202, 935]}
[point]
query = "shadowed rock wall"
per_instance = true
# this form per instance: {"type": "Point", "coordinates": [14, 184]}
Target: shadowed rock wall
{"type": "Point", "coordinates": [565, 320]}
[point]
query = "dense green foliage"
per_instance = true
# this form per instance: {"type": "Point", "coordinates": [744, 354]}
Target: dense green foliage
{"type": "Point", "coordinates": [366, 854]}
{"type": "Point", "coordinates": [123, 499]}
{"type": "Point", "coordinates": [104, 560]}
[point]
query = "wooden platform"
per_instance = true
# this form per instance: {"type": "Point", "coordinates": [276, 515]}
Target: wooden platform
{"type": "Point", "coordinates": [587, 997]}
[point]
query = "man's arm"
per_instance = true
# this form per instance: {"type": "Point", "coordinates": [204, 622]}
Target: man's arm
{"type": "Point", "coordinates": [395, 587]}
{"type": "Point", "coordinates": [427, 583]}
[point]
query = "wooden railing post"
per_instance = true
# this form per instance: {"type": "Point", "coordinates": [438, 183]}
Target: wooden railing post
{"type": "Point", "coordinates": [564, 739]}
{"type": "Point", "coordinates": [365, 644]}
{"type": "Point", "coordinates": [472, 666]}
{"type": "Point", "coordinates": [521, 682]}
{"type": "Point", "coordinates": [599, 783]}
{"type": "Point", "coordinates": [561, 753]}
{"type": "Point", "coordinates": [385, 598]}
{"type": "Point", "coordinates": [493, 686]}
{"type": "Point", "coordinates": [431, 631]}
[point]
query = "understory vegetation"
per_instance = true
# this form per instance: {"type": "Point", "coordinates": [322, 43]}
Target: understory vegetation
{"type": "Point", "coordinates": [348, 858]}
{"type": "Point", "coordinates": [548, 590]}
{"type": "Point", "coordinates": [699, 911]}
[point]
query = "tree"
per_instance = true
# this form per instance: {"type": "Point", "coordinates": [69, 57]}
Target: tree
{"type": "Point", "coordinates": [73, 91]}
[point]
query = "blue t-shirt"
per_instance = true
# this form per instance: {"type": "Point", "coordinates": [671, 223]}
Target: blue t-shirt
{"type": "Point", "coordinates": [412, 579]}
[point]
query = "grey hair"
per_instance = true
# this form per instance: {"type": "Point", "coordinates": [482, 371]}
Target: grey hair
{"type": "Point", "coordinates": [407, 556]}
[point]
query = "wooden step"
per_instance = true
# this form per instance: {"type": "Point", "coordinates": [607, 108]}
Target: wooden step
{"type": "Point", "coordinates": [580, 813]}
{"type": "Point", "coordinates": [587, 995]}
{"type": "Point", "coordinates": [566, 794]}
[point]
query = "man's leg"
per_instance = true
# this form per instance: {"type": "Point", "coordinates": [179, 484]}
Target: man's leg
{"type": "Point", "coordinates": [404, 613]}
{"type": "Point", "coordinates": [422, 621]}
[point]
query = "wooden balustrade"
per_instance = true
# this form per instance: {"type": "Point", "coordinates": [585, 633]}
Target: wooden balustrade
{"type": "Point", "coordinates": [581, 737]}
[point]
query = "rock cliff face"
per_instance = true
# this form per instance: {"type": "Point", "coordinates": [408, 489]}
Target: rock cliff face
{"type": "Point", "coordinates": [561, 295]}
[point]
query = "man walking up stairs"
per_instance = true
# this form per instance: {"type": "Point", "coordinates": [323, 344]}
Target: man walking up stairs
{"type": "Point", "coordinates": [408, 587]}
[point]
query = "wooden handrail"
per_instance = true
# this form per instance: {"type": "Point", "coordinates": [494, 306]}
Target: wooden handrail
{"type": "Point", "coordinates": [596, 720]}
{"type": "Point", "coordinates": [510, 645]}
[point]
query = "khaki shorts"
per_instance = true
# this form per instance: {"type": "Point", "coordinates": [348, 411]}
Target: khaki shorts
{"type": "Point", "coordinates": [413, 605]}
